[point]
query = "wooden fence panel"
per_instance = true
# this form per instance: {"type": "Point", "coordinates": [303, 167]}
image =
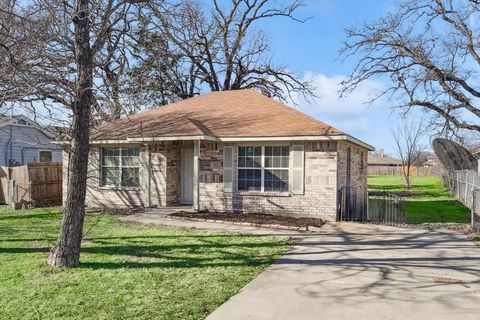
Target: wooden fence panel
{"type": "Point", "coordinates": [4, 176]}
{"type": "Point", "coordinates": [46, 182]}
{"type": "Point", "coordinates": [375, 170]}
{"type": "Point", "coordinates": [40, 182]}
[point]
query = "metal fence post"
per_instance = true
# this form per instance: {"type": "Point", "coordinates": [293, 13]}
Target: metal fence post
{"type": "Point", "coordinates": [472, 211]}
{"type": "Point", "coordinates": [30, 191]}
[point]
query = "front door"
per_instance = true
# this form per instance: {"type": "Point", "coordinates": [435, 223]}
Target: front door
{"type": "Point", "coordinates": [187, 176]}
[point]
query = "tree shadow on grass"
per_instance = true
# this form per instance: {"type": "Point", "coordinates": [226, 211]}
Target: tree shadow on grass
{"type": "Point", "coordinates": [27, 216]}
{"type": "Point", "coordinates": [113, 239]}
{"type": "Point", "coordinates": [178, 255]}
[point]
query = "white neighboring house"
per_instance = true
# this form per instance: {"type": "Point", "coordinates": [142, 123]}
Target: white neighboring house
{"type": "Point", "coordinates": [23, 141]}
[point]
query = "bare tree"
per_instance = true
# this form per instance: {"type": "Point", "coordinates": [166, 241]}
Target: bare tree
{"type": "Point", "coordinates": [215, 48]}
{"type": "Point", "coordinates": [67, 250]}
{"type": "Point", "coordinates": [409, 147]}
{"type": "Point", "coordinates": [428, 51]}
{"type": "Point", "coordinates": [38, 36]}
{"type": "Point", "coordinates": [54, 51]}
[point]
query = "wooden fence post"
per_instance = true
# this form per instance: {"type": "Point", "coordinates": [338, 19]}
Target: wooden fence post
{"type": "Point", "coordinates": [12, 192]}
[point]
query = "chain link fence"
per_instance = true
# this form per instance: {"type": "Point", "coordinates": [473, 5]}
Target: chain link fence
{"type": "Point", "coordinates": [465, 187]}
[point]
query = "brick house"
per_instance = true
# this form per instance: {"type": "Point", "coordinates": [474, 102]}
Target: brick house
{"type": "Point", "coordinates": [234, 151]}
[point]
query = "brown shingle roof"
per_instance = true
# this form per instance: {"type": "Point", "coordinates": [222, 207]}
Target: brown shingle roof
{"type": "Point", "coordinates": [374, 159]}
{"type": "Point", "coordinates": [238, 113]}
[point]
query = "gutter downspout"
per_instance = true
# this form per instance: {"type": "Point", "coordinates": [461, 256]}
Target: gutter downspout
{"type": "Point", "coordinates": [11, 141]}
{"type": "Point", "coordinates": [9, 147]}
{"type": "Point", "coordinates": [196, 171]}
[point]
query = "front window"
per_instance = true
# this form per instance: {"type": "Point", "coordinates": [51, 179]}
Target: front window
{"type": "Point", "coordinates": [263, 169]}
{"type": "Point", "coordinates": [120, 167]}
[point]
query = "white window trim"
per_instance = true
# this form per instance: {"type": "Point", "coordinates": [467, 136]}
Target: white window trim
{"type": "Point", "coordinates": [262, 170]}
{"type": "Point", "coordinates": [119, 168]}
{"type": "Point", "coordinates": [43, 150]}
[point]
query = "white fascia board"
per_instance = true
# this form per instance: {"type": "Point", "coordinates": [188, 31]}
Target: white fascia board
{"type": "Point", "coordinates": [33, 125]}
{"type": "Point", "coordinates": [94, 142]}
{"type": "Point", "coordinates": [7, 123]}
{"type": "Point", "coordinates": [343, 137]}
{"type": "Point", "coordinates": [148, 139]}
{"type": "Point", "coordinates": [172, 138]}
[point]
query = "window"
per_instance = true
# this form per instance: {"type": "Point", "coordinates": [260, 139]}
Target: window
{"type": "Point", "coordinates": [250, 168]}
{"type": "Point", "coordinates": [120, 167]}
{"type": "Point", "coordinates": [263, 169]}
{"type": "Point", "coordinates": [45, 156]}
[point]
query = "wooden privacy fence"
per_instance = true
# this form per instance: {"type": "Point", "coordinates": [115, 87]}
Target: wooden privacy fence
{"type": "Point", "coordinates": [378, 170]}
{"type": "Point", "coordinates": [465, 186]}
{"type": "Point", "coordinates": [40, 183]}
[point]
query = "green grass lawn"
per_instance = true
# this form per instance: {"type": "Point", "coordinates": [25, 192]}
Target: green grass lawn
{"type": "Point", "coordinates": [429, 201]}
{"type": "Point", "coordinates": [127, 271]}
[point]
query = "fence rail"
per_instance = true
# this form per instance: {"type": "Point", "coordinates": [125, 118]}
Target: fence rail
{"type": "Point", "coordinates": [375, 206]}
{"type": "Point", "coordinates": [465, 187]}
{"type": "Point", "coordinates": [40, 183]}
{"type": "Point", "coordinates": [379, 170]}
{"type": "Point", "coordinates": [386, 208]}
{"type": "Point", "coordinates": [352, 204]}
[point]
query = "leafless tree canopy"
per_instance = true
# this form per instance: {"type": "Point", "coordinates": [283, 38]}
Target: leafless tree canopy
{"type": "Point", "coordinates": [430, 52]}
{"type": "Point", "coordinates": [213, 46]}
{"type": "Point", "coordinates": [409, 146]}
{"type": "Point", "coordinates": [37, 64]}
{"type": "Point", "coordinates": [146, 54]}
{"type": "Point", "coordinates": [67, 53]}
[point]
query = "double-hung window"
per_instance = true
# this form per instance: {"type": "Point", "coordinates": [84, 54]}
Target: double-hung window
{"type": "Point", "coordinates": [250, 168]}
{"type": "Point", "coordinates": [120, 167]}
{"type": "Point", "coordinates": [264, 169]}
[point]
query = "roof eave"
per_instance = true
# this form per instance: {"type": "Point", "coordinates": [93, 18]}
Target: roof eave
{"type": "Point", "coordinates": [342, 137]}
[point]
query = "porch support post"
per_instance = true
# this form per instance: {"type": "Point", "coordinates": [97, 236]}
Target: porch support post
{"type": "Point", "coordinates": [196, 171]}
{"type": "Point", "coordinates": [147, 172]}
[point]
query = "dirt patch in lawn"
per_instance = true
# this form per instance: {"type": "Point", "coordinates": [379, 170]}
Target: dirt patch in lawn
{"type": "Point", "coordinates": [253, 218]}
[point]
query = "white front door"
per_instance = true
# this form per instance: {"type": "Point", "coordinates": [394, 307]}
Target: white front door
{"type": "Point", "coordinates": [187, 176]}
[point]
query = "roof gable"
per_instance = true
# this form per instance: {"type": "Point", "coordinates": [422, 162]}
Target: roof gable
{"type": "Point", "coordinates": [23, 121]}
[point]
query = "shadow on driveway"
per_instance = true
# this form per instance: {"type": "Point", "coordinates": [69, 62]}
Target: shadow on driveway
{"type": "Point", "coordinates": [359, 271]}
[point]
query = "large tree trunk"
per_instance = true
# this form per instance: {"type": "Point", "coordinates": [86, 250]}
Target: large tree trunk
{"type": "Point", "coordinates": [67, 251]}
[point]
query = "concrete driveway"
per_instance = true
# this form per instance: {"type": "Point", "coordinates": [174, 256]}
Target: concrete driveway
{"type": "Point", "coordinates": [356, 271]}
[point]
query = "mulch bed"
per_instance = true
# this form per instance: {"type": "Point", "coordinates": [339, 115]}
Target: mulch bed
{"type": "Point", "coordinates": [253, 218]}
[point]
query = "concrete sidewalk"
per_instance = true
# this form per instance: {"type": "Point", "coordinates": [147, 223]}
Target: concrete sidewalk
{"type": "Point", "coordinates": [366, 272]}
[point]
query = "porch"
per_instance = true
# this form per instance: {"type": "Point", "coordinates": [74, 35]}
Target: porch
{"type": "Point", "coordinates": [171, 174]}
